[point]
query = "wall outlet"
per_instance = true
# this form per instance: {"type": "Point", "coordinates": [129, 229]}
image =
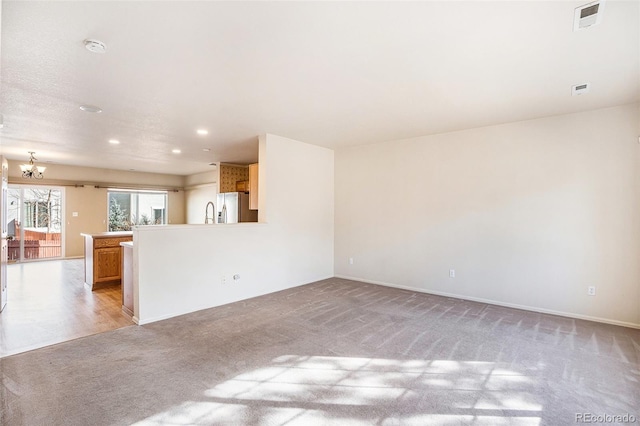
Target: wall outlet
{"type": "Point", "coordinates": [223, 280]}
{"type": "Point", "coordinates": [351, 261]}
{"type": "Point", "coordinates": [591, 291]}
{"type": "Point", "coordinates": [452, 273]}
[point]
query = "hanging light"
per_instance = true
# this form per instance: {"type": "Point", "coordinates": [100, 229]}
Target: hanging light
{"type": "Point", "coordinates": [30, 170]}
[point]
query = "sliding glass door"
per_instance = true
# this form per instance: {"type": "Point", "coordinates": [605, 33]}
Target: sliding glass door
{"type": "Point", "coordinates": [35, 220]}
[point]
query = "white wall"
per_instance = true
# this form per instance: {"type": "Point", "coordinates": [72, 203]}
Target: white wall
{"type": "Point", "coordinates": [199, 190]}
{"type": "Point", "coordinates": [529, 214]}
{"type": "Point", "coordinates": [178, 269]}
{"type": "Point", "coordinates": [196, 202]}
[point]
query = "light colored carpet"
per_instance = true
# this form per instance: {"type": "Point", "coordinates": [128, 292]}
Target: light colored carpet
{"type": "Point", "coordinates": [333, 352]}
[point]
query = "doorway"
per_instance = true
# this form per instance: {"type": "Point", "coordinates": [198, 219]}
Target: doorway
{"type": "Point", "coordinates": [35, 223]}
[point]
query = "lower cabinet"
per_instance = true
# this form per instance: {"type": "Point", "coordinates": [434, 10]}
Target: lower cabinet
{"type": "Point", "coordinates": [103, 259]}
{"type": "Point", "coordinates": [106, 266]}
{"type": "Point", "coordinates": [127, 278]}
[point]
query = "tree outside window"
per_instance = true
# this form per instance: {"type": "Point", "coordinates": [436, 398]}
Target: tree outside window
{"type": "Point", "coordinates": [129, 208]}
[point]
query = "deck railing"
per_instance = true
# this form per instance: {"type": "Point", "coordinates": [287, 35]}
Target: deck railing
{"type": "Point", "coordinates": [36, 248]}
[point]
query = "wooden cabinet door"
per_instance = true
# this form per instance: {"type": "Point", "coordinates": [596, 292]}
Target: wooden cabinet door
{"type": "Point", "coordinates": [106, 264]}
{"type": "Point", "coordinates": [253, 186]}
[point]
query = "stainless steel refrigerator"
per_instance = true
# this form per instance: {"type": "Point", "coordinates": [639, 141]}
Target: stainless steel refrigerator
{"type": "Point", "coordinates": [233, 207]}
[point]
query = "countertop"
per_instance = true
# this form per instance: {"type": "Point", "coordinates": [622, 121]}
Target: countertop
{"type": "Point", "coordinates": [109, 234]}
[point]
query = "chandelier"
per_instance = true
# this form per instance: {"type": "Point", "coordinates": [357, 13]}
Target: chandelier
{"type": "Point", "coordinates": [30, 170]}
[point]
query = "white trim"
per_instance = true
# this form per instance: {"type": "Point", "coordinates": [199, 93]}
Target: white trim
{"type": "Point", "coordinates": [63, 224]}
{"type": "Point", "coordinates": [164, 317]}
{"type": "Point", "coordinates": [497, 303]}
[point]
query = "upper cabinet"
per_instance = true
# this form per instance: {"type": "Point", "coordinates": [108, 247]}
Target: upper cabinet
{"type": "Point", "coordinates": [253, 186]}
{"type": "Point", "coordinates": [238, 178]}
{"type": "Point", "coordinates": [230, 174]}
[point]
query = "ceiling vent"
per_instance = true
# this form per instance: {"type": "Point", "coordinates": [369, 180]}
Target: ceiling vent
{"type": "Point", "coordinates": [580, 89]}
{"type": "Point", "coordinates": [588, 15]}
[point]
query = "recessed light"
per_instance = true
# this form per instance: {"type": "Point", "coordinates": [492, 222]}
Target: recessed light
{"type": "Point", "coordinates": [95, 46]}
{"type": "Point", "coordinates": [90, 108]}
{"type": "Point", "coordinates": [114, 141]}
{"type": "Point", "coordinates": [176, 151]}
{"type": "Point", "coordinates": [202, 132]}
{"type": "Point", "coordinates": [206, 149]}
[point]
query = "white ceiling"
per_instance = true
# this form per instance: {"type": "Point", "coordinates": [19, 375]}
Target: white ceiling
{"type": "Point", "coordinates": [327, 73]}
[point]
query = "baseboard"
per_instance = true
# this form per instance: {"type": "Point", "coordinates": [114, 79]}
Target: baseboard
{"type": "Point", "coordinates": [164, 317]}
{"type": "Point", "coordinates": [497, 303]}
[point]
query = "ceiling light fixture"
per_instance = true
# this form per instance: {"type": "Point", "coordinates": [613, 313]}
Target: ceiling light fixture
{"type": "Point", "coordinates": [95, 46]}
{"type": "Point", "coordinates": [176, 151]}
{"type": "Point", "coordinates": [114, 141]}
{"type": "Point", "coordinates": [91, 108]}
{"type": "Point", "coordinates": [206, 149]}
{"type": "Point", "coordinates": [30, 170]}
{"type": "Point", "coordinates": [202, 132]}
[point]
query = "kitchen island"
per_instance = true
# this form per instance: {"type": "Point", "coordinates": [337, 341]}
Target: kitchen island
{"type": "Point", "coordinates": [127, 277]}
{"type": "Point", "coordinates": [103, 258]}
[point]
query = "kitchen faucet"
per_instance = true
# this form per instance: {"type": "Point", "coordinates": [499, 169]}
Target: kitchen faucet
{"type": "Point", "coordinates": [206, 213]}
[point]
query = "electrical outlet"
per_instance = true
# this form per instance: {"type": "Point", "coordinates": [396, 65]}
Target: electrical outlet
{"type": "Point", "coordinates": [223, 280]}
{"type": "Point", "coordinates": [351, 261]}
{"type": "Point", "coordinates": [591, 291]}
{"type": "Point", "coordinates": [452, 273]}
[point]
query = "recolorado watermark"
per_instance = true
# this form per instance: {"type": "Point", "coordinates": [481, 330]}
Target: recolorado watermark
{"type": "Point", "coordinates": [605, 418]}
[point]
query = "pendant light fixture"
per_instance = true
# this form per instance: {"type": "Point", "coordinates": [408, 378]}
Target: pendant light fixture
{"type": "Point", "coordinates": [30, 170]}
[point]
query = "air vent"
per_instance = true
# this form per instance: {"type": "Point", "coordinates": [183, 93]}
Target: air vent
{"type": "Point", "coordinates": [588, 15]}
{"type": "Point", "coordinates": [580, 89]}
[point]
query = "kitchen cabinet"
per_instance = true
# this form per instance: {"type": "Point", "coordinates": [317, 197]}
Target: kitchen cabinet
{"type": "Point", "coordinates": [127, 277]}
{"type": "Point", "coordinates": [106, 265]}
{"type": "Point", "coordinates": [242, 186]}
{"type": "Point", "coordinates": [253, 186]}
{"type": "Point", "coordinates": [103, 258]}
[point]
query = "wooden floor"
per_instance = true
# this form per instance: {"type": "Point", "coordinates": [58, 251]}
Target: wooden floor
{"type": "Point", "coordinates": [48, 303]}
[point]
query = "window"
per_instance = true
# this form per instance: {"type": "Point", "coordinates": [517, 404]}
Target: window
{"type": "Point", "coordinates": [129, 208]}
{"type": "Point", "coordinates": [34, 221]}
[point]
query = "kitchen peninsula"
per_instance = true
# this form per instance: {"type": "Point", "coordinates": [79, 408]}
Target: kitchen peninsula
{"type": "Point", "coordinates": [103, 258]}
